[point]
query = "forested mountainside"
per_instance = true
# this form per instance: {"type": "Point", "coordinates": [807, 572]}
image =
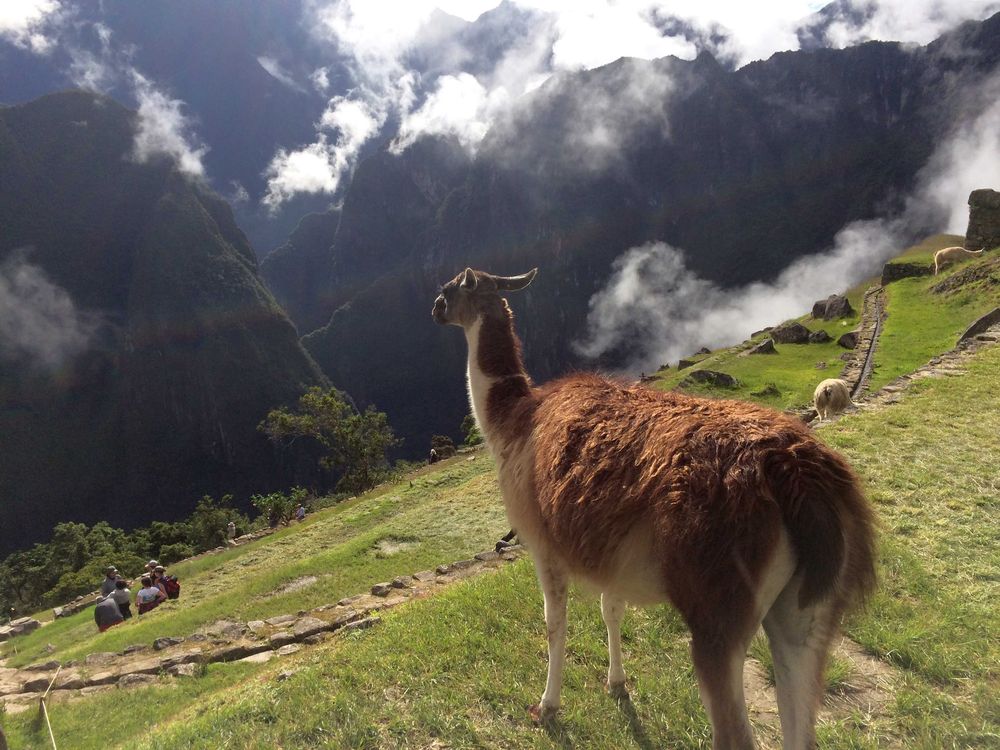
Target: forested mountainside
{"type": "Point", "coordinates": [138, 348]}
{"type": "Point", "coordinates": [744, 170]}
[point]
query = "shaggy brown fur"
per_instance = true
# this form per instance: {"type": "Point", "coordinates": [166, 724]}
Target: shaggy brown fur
{"type": "Point", "coordinates": [713, 484]}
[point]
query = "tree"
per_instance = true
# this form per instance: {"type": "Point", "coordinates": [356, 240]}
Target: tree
{"type": "Point", "coordinates": [209, 521]}
{"type": "Point", "coordinates": [443, 445]}
{"type": "Point", "coordinates": [471, 431]}
{"type": "Point", "coordinates": [353, 442]}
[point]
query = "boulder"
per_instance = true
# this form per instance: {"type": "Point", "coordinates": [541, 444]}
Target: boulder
{"type": "Point", "coordinates": [288, 649]}
{"type": "Point", "coordinates": [135, 649]}
{"type": "Point", "coordinates": [819, 337]}
{"type": "Point", "coordinates": [685, 363]}
{"type": "Point", "coordinates": [424, 576]}
{"type": "Point", "coordinates": [166, 642]}
{"type": "Point", "coordinates": [308, 626]}
{"type": "Point", "coordinates": [400, 582]}
{"type": "Point", "coordinates": [834, 306]}
{"type": "Point", "coordinates": [36, 685]}
{"type": "Point", "coordinates": [710, 377]}
{"type": "Point", "coordinates": [849, 340]}
{"type": "Point", "coordinates": [136, 680]}
{"type": "Point", "coordinates": [381, 589]}
{"type": "Point", "coordinates": [45, 666]}
{"type": "Point", "coordinates": [703, 350]}
{"type": "Point", "coordinates": [790, 333]}
{"type": "Point", "coordinates": [764, 347]}
{"type": "Point", "coordinates": [183, 670]}
{"type": "Point", "coordinates": [767, 391]}
{"type": "Point", "coordinates": [280, 619]}
{"type": "Point", "coordinates": [281, 638]}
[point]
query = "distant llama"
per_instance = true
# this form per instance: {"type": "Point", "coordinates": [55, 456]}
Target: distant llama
{"type": "Point", "coordinates": [831, 397]}
{"type": "Point", "coordinates": [734, 513]}
{"type": "Point", "coordinates": [951, 255]}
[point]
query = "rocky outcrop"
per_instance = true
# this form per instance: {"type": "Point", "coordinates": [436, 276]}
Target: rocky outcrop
{"type": "Point", "coordinates": [709, 377]}
{"type": "Point", "coordinates": [764, 347]}
{"type": "Point", "coordinates": [790, 333]}
{"type": "Point", "coordinates": [895, 271]}
{"type": "Point", "coordinates": [984, 220]}
{"type": "Point", "coordinates": [834, 306]}
{"type": "Point", "coordinates": [20, 626]}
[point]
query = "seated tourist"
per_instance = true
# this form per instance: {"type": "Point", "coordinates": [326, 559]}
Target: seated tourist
{"type": "Point", "coordinates": [149, 596]}
{"type": "Point", "coordinates": [121, 596]}
{"type": "Point", "coordinates": [107, 614]}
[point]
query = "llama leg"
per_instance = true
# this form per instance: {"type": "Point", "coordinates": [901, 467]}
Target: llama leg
{"type": "Point", "coordinates": [613, 610]}
{"type": "Point", "coordinates": [719, 666]}
{"type": "Point", "coordinates": [800, 640]}
{"type": "Point", "coordinates": [554, 588]}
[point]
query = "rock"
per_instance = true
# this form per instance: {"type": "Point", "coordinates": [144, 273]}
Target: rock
{"type": "Point", "coordinates": [984, 219]}
{"type": "Point", "coordinates": [381, 589]}
{"type": "Point", "coordinates": [258, 658]}
{"type": "Point", "coordinates": [136, 680]}
{"type": "Point", "coordinates": [288, 649]}
{"type": "Point", "coordinates": [683, 364]}
{"type": "Point", "coordinates": [281, 638]}
{"type": "Point", "coordinates": [191, 656]}
{"type": "Point", "coordinates": [166, 642]}
{"type": "Point", "coordinates": [71, 682]}
{"type": "Point", "coordinates": [981, 325]}
{"type": "Point", "coordinates": [225, 629]}
{"type": "Point", "coordinates": [834, 306]}
{"type": "Point", "coordinates": [57, 612]}
{"type": "Point", "coordinates": [703, 350]}
{"type": "Point", "coordinates": [135, 649]}
{"type": "Point", "coordinates": [285, 674]}
{"type": "Point", "coordinates": [237, 651]}
{"type": "Point", "coordinates": [44, 666]}
{"type": "Point", "coordinates": [183, 670]}
{"type": "Point", "coordinates": [49, 648]}
{"type": "Point", "coordinates": [790, 333]}
{"type": "Point", "coordinates": [256, 626]}
{"type": "Point", "coordinates": [710, 377]}
{"type": "Point", "coordinates": [764, 347]}
{"type": "Point", "coordinates": [821, 365]}
{"type": "Point", "coordinates": [102, 678]}
{"type": "Point", "coordinates": [344, 618]}
{"type": "Point", "coordinates": [280, 619]}
{"type": "Point", "coordinates": [36, 685]}
{"type": "Point", "coordinates": [99, 658]}
{"type": "Point", "coordinates": [463, 564]}
{"type": "Point", "coordinates": [309, 626]}
{"type": "Point", "coordinates": [819, 337]}
{"type": "Point", "coordinates": [316, 639]}
{"type": "Point", "coordinates": [895, 271]}
{"type": "Point", "coordinates": [400, 582]}
{"type": "Point", "coordinates": [849, 340]}
{"type": "Point", "coordinates": [350, 600]}
{"type": "Point", "coordinates": [198, 638]}
{"type": "Point", "coordinates": [768, 390]}
{"type": "Point", "coordinates": [424, 576]}
{"type": "Point", "coordinates": [487, 556]}
{"type": "Point", "coordinates": [360, 624]}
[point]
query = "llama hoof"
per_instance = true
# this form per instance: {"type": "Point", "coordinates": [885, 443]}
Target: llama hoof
{"type": "Point", "coordinates": [541, 714]}
{"type": "Point", "coordinates": [617, 690]}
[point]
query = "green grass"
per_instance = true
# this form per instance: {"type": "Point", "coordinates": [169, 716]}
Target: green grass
{"type": "Point", "coordinates": [439, 516]}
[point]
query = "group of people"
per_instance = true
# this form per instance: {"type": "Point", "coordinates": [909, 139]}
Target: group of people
{"type": "Point", "coordinates": [115, 605]}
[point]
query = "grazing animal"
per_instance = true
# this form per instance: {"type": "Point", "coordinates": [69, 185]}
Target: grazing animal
{"type": "Point", "coordinates": [831, 397]}
{"type": "Point", "coordinates": [734, 513]}
{"type": "Point", "coordinates": [952, 254]}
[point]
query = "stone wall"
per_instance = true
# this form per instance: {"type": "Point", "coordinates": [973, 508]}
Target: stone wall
{"type": "Point", "coordinates": [984, 220]}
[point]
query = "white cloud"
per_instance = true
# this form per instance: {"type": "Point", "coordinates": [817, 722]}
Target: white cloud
{"type": "Point", "coordinates": [164, 130]}
{"type": "Point", "coordinates": [320, 79]}
{"type": "Point", "coordinates": [319, 167]}
{"type": "Point", "coordinates": [39, 323]}
{"type": "Point", "coordinates": [25, 23]}
{"type": "Point", "coordinates": [915, 21]}
{"type": "Point", "coordinates": [278, 73]}
{"type": "Point", "coordinates": [460, 106]}
{"type": "Point", "coordinates": [657, 310]}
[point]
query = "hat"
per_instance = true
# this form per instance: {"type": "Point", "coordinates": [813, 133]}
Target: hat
{"type": "Point", "coordinates": [111, 569]}
{"type": "Point", "coordinates": [152, 564]}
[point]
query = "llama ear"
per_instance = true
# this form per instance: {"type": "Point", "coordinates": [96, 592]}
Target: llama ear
{"type": "Point", "coordinates": [515, 283]}
{"type": "Point", "coordinates": [469, 280]}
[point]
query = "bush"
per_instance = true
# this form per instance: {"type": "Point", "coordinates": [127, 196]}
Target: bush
{"type": "Point", "coordinates": [171, 553]}
{"type": "Point", "coordinates": [277, 507]}
{"type": "Point", "coordinates": [471, 431]}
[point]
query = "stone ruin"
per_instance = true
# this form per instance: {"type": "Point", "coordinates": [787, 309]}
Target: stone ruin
{"type": "Point", "coordinates": [984, 220]}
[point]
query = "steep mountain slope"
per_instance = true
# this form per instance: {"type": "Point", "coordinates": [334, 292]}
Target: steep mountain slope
{"type": "Point", "coordinates": [745, 170]}
{"type": "Point", "coordinates": [146, 350]}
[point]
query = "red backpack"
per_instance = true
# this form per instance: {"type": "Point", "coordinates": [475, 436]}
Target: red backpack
{"type": "Point", "coordinates": [172, 587]}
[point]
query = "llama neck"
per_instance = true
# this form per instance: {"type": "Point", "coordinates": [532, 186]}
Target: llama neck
{"type": "Point", "coordinates": [496, 375]}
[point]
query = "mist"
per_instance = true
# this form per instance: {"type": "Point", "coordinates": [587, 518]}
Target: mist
{"type": "Point", "coordinates": [39, 323]}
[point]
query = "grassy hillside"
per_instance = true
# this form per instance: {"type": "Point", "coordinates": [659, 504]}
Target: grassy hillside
{"type": "Point", "coordinates": [457, 670]}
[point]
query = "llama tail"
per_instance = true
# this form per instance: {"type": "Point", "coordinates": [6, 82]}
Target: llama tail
{"type": "Point", "coordinates": [830, 523]}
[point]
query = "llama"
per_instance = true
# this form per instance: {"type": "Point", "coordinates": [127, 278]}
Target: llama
{"type": "Point", "coordinates": [831, 397]}
{"type": "Point", "coordinates": [952, 254]}
{"type": "Point", "coordinates": [734, 513]}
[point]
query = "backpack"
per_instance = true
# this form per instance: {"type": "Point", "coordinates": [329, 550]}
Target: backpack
{"type": "Point", "coordinates": [172, 586]}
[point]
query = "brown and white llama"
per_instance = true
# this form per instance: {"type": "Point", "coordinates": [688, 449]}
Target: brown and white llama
{"type": "Point", "coordinates": [735, 513]}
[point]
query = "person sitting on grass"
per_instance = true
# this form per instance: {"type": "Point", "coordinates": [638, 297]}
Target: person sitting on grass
{"type": "Point", "coordinates": [107, 614]}
{"type": "Point", "coordinates": [121, 595]}
{"type": "Point", "coordinates": [110, 576]}
{"type": "Point", "coordinates": [149, 596]}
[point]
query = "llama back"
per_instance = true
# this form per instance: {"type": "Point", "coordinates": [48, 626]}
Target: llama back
{"type": "Point", "coordinates": [714, 480]}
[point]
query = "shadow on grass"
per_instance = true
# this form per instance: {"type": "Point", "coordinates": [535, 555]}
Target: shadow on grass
{"type": "Point", "coordinates": [624, 703]}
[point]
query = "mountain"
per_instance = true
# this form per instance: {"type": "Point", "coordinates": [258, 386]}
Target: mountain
{"type": "Point", "coordinates": [139, 348]}
{"type": "Point", "coordinates": [744, 170]}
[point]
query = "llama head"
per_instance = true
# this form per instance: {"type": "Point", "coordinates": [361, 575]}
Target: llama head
{"type": "Point", "coordinates": [472, 294]}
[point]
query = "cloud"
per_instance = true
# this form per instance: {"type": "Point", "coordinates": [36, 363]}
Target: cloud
{"type": "Point", "coordinates": [460, 106]}
{"type": "Point", "coordinates": [163, 130]}
{"type": "Point", "coordinates": [277, 72]}
{"type": "Point", "coordinates": [318, 167]}
{"type": "Point", "coordinates": [653, 309]}
{"type": "Point", "coordinates": [27, 23]}
{"type": "Point", "coordinates": [39, 323]}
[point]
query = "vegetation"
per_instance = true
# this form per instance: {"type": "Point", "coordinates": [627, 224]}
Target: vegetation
{"type": "Point", "coordinates": [278, 507]}
{"type": "Point", "coordinates": [353, 442]}
{"type": "Point", "coordinates": [470, 431]}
